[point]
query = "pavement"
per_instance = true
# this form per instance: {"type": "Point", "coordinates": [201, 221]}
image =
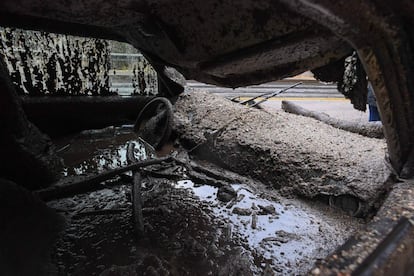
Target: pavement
{"type": "Point", "coordinates": [311, 95]}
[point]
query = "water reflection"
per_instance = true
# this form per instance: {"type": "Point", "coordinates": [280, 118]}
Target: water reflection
{"type": "Point", "coordinates": [94, 154]}
{"type": "Point", "coordinates": [284, 235]}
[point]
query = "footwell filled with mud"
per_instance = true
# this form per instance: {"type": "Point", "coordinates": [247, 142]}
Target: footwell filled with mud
{"type": "Point", "coordinates": [195, 222]}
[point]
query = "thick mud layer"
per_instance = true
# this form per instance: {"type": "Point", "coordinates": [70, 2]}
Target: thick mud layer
{"type": "Point", "coordinates": [294, 154]}
{"type": "Point", "coordinates": [191, 228]}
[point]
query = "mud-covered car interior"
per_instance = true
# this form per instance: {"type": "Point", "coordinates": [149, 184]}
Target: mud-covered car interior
{"type": "Point", "coordinates": [127, 210]}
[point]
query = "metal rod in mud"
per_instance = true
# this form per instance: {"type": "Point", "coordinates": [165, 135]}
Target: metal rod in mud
{"type": "Point", "coordinates": [136, 192]}
{"type": "Point", "coordinates": [270, 94]}
{"type": "Point", "coordinates": [275, 94]}
{"type": "Point", "coordinates": [90, 183]}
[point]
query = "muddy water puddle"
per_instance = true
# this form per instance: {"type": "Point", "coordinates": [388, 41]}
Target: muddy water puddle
{"type": "Point", "coordinates": [188, 229]}
{"type": "Point", "coordinates": [283, 235]}
{"type": "Point", "coordinates": [95, 151]}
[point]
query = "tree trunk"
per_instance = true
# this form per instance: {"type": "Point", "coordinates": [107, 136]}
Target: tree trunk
{"type": "Point", "coordinates": [295, 154]}
{"type": "Point", "coordinates": [368, 129]}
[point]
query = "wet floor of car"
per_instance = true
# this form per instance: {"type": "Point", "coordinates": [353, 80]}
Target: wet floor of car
{"type": "Point", "coordinates": [189, 229]}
